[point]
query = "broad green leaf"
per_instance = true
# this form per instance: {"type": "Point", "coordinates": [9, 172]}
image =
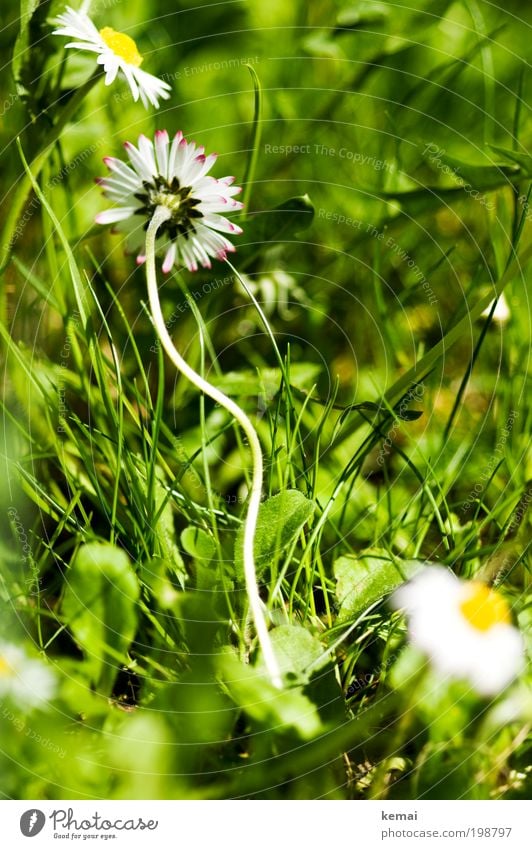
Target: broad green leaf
{"type": "Point", "coordinates": [281, 518]}
{"type": "Point", "coordinates": [99, 607]}
{"type": "Point", "coordinates": [298, 653]}
{"type": "Point", "coordinates": [251, 690]}
{"type": "Point", "coordinates": [198, 543]}
{"type": "Point", "coordinates": [201, 546]}
{"type": "Point", "coordinates": [361, 581]}
{"type": "Point", "coordinates": [266, 382]}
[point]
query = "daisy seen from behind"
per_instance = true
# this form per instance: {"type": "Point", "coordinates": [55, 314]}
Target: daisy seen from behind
{"type": "Point", "coordinates": [169, 203]}
{"type": "Point", "coordinates": [116, 52]}
{"type": "Point", "coordinates": [464, 628]}
{"type": "Point", "coordinates": [172, 176]}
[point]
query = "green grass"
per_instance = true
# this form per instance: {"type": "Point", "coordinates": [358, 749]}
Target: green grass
{"type": "Point", "coordinates": [394, 418]}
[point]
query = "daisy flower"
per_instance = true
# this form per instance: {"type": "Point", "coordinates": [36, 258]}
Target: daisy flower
{"type": "Point", "coordinates": [173, 176]}
{"type": "Point", "coordinates": [116, 52]}
{"type": "Point", "coordinates": [501, 313]}
{"type": "Point", "coordinates": [464, 628]}
{"type": "Point", "coordinates": [168, 202]}
{"type": "Point", "coordinates": [24, 680]}
{"type": "Point", "coordinates": [276, 290]}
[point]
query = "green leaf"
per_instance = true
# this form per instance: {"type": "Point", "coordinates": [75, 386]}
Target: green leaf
{"type": "Point", "coordinates": [198, 543]}
{"type": "Point", "coordinates": [267, 381]}
{"type": "Point", "coordinates": [281, 518]}
{"type": "Point", "coordinates": [99, 607]}
{"type": "Point", "coordinates": [362, 581]}
{"type": "Point", "coordinates": [268, 706]}
{"type": "Point", "coordinates": [298, 653]}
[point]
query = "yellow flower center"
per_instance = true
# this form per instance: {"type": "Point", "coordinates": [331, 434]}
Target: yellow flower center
{"type": "Point", "coordinates": [122, 45]}
{"type": "Point", "coordinates": [5, 668]}
{"type": "Point", "coordinates": [483, 608]}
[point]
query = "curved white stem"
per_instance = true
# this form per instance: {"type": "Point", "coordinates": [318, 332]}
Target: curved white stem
{"type": "Point", "coordinates": [162, 214]}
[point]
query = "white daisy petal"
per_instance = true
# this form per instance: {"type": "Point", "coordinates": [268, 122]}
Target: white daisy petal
{"type": "Point", "coordinates": [83, 45]}
{"type": "Point", "coordinates": [201, 253]}
{"type": "Point", "coordinates": [179, 159]}
{"type": "Point", "coordinates": [109, 216]}
{"type": "Point", "coordinates": [116, 191]}
{"type": "Point", "coordinates": [131, 80]}
{"type": "Point", "coordinates": [126, 175]}
{"type": "Point", "coordinates": [199, 165]}
{"type": "Point", "coordinates": [223, 225]}
{"type": "Point", "coordinates": [80, 24]}
{"type": "Point", "coordinates": [161, 152]}
{"type": "Point", "coordinates": [143, 169]}
{"type": "Point", "coordinates": [173, 152]}
{"type": "Point", "coordinates": [147, 152]}
{"type": "Point", "coordinates": [169, 258]}
{"type": "Point", "coordinates": [188, 256]}
{"type": "Point", "coordinates": [152, 86]}
{"type": "Point", "coordinates": [110, 66]}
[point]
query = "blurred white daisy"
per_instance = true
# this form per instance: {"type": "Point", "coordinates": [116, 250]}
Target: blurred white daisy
{"type": "Point", "coordinates": [277, 291]}
{"type": "Point", "coordinates": [25, 680]}
{"type": "Point", "coordinates": [464, 628]}
{"type": "Point", "coordinates": [501, 313]}
{"type": "Point", "coordinates": [174, 176]}
{"type": "Point", "coordinates": [116, 52]}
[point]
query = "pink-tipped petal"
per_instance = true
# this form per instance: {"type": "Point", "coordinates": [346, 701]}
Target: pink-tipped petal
{"type": "Point", "coordinates": [169, 258]}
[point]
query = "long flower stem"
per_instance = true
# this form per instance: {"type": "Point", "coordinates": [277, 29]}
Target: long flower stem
{"type": "Point", "coordinates": [162, 214]}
